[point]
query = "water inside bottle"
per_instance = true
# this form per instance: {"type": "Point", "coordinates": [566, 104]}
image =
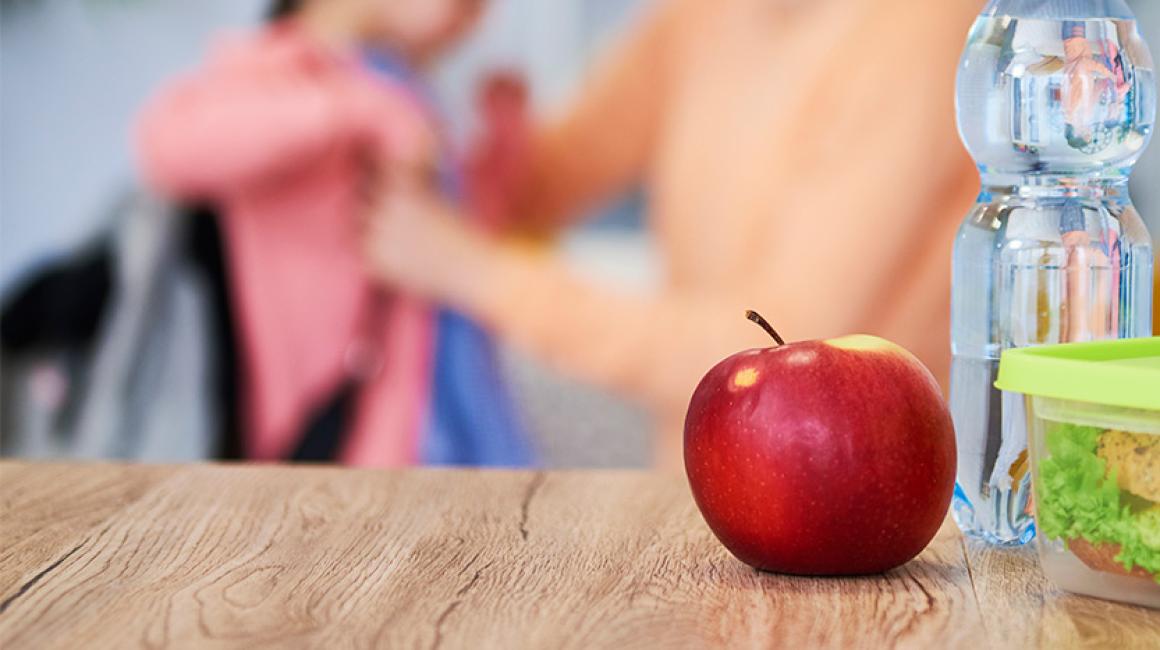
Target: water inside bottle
{"type": "Point", "coordinates": [1055, 112]}
{"type": "Point", "coordinates": [1037, 95]}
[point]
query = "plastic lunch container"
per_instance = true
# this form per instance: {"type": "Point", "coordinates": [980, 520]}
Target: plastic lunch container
{"type": "Point", "coordinates": [1093, 414]}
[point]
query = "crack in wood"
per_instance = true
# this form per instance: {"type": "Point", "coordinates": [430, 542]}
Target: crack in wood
{"type": "Point", "coordinates": [970, 573]}
{"type": "Point", "coordinates": [974, 588]}
{"type": "Point", "coordinates": [474, 579]}
{"type": "Point", "coordinates": [27, 586]}
{"type": "Point", "coordinates": [529, 494]}
{"type": "Point", "coordinates": [451, 607]}
{"type": "Point", "coordinates": [438, 640]}
{"type": "Point", "coordinates": [921, 587]}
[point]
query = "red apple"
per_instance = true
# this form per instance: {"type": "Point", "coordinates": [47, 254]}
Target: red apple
{"type": "Point", "coordinates": [831, 457]}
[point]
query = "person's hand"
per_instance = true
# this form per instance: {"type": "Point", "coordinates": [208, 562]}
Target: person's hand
{"type": "Point", "coordinates": [498, 165]}
{"type": "Point", "coordinates": [416, 241]}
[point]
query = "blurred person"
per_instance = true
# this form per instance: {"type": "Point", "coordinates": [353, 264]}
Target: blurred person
{"type": "Point", "coordinates": [800, 158]}
{"type": "Point", "coordinates": [285, 131]}
{"type": "Point", "coordinates": [1091, 78]}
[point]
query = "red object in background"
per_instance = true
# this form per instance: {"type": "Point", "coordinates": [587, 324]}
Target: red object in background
{"type": "Point", "coordinates": [823, 457]}
{"type": "Point", "coordinates": [503, 99]}
{"type": "Point", "coordinates": [500, 159]}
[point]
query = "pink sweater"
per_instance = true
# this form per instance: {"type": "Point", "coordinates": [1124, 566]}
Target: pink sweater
{"type": "Point", "coordinates": [280, 134]}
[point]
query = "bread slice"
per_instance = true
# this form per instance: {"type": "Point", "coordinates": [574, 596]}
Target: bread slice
{"type": "Point", "coordinates": [1135, 458]}
{"type": "Point", "coordinates": [1102, 557]}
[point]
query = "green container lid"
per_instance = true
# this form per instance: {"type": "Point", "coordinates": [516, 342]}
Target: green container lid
{"type": "Point", "coordinates": [1116, 373]}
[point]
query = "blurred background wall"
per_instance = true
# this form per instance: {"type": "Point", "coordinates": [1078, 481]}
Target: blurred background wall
{"type": "Point", "coordinates": [73, 72]}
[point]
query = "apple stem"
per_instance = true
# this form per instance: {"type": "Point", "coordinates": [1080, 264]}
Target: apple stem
{"type": "Point", "coordinates": [757, 318]}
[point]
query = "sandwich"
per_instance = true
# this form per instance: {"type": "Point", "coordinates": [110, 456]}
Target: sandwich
{"type": "Point", "coordinates": [1099, 492]}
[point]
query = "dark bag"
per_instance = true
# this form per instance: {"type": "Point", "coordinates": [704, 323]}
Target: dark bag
{"type": "Point", "coordinates": [111, 352]}
{"type": "Point", "coordinates": [326, 429]}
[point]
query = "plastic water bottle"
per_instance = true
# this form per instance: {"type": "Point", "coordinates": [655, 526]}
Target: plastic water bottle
{"type": "Point", "coordinates": [1056, 101]}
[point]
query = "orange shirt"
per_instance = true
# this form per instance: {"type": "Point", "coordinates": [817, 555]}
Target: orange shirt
{"type": "Point", "coordinates": [800, 158]}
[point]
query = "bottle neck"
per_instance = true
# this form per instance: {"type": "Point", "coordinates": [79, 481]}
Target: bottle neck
{"type": "Point", "coordinates": [1040, 186]}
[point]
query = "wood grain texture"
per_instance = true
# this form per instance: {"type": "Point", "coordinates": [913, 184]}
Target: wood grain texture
{"type": "Point", "coordinates": [1009, 580]}
{"type": "Point", "coordinates": [107, 556]}
{"type": "Point", "coordinates": [44, 508]}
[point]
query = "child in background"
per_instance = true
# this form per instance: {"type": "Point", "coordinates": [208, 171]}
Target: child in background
{"type": "Point", "coordinates": [286, 131]}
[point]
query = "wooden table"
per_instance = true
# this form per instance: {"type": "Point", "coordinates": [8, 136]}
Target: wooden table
{"type": "Point", "coordinates": [113, 556]}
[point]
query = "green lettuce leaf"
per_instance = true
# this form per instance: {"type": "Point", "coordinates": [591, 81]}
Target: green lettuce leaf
{"type": "Point", "coordinates": [1141, 542]}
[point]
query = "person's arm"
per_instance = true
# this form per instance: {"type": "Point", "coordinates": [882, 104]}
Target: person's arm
{"type": "Point", "coordinates": [252, 115]}
{"type": "Point", "coordinates": [649, 347]}
{"type": "Point", "coordinates": [601, 144]}
{"type": "Point", "coordinates": [652, 348]}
